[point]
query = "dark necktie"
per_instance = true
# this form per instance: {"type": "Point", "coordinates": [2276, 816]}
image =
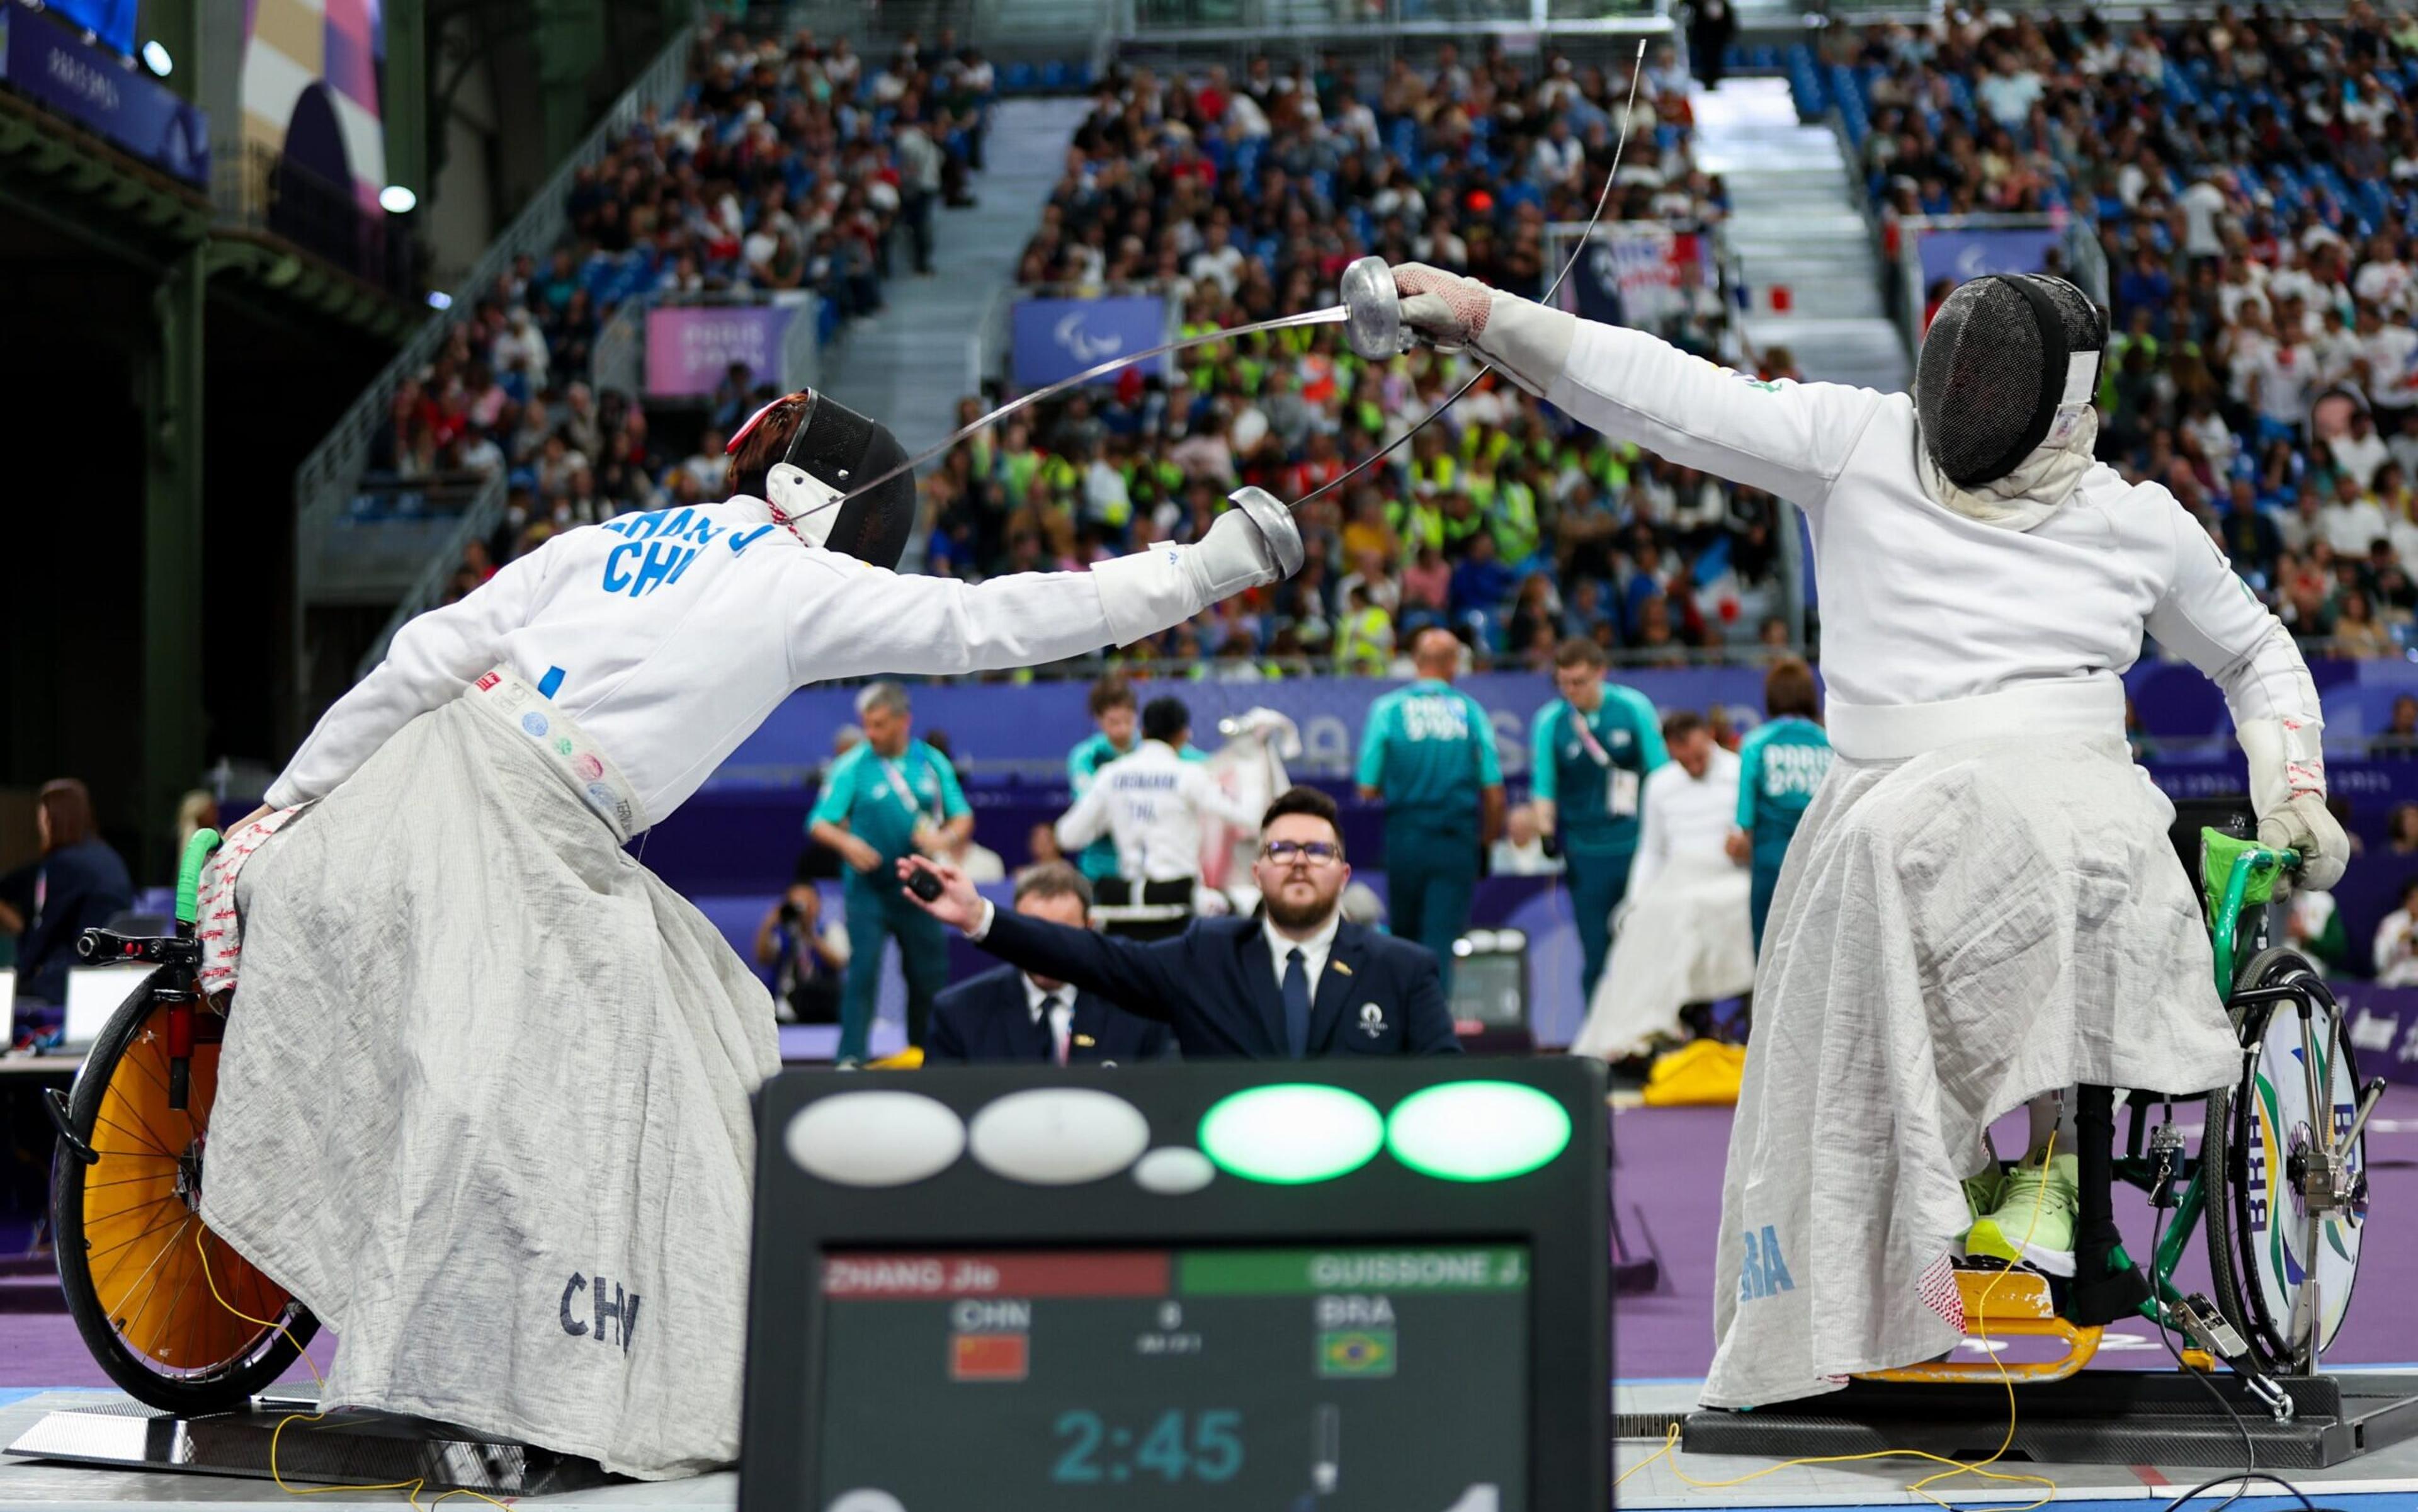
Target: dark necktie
{"type": "Point", "coordinates": [1297, 1006]}
{"type": "Point", "coordinates": [1058, 1042]}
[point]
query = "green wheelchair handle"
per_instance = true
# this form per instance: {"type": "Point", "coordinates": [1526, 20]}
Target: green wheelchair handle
{"type": "Point", "coordinates": [2246, 865]}
{"type": "Point", "coordinates": [189, 874]}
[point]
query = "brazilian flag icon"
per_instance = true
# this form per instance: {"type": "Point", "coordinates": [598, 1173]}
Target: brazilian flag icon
{"type": "Point", "coordinates": [1365, 1352]}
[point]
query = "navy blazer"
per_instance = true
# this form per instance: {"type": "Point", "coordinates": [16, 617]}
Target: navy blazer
{"type": "Point", "coordinates": [987, 1017]}
{"type": "Point", "coordinates": [1217, 984]}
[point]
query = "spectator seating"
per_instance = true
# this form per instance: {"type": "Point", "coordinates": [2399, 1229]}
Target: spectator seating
{"type": "Point", "coordinates": [2252, 182]}
{"type": "Point", "coordinates": [1246, 197]}
{"type": "Point", "coordinates": [780, 168]}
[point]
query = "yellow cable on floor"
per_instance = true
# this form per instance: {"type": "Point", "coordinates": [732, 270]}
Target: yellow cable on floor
{"type": "Point", "coordinates": [411, 1489]}
{"type": "Point", "coordinates": [1956, 1467]}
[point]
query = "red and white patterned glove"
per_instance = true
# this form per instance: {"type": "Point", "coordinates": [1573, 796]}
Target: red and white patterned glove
{"type": "Point", "coordinates": [2287, 788]}
{"type": "Point", "coordinates": [1449, 309]}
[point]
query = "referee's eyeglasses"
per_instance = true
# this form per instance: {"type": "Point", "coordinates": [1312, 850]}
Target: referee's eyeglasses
{"type": "Point", "coordinates": [1307, 852]}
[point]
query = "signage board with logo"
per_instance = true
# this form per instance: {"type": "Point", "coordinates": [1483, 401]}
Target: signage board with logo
{"type": "Point", "coordinates": [94, 88]}
{"type": "Point", "coordinates": [689, 347]}
{"type": "Point", "coordinates": [1056, 339]}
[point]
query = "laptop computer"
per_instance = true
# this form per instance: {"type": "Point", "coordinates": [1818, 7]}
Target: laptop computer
{"type": "Point", "coordinates": [94, 993]}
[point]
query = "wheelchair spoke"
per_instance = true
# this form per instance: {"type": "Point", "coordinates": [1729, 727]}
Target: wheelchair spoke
{"type": "Point", "coordinates": [145, 1138]}
{"type": "Point", "coordinates": [127, 1326]}
{"type": "Point", "coordinates": [119, 1263]}
{"type": "Point", "coordinates": [138, 1238]}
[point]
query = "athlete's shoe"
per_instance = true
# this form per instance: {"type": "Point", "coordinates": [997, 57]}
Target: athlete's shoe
{"type": "Point", "coordinates": [2033, 1222]}
{"type": "Point", "coordinates": [1981, 1191]}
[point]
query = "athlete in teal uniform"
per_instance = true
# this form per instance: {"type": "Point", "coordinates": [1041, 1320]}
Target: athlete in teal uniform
{"type": "Point", "coordinates": [1593, 747]}
{"type": "Point", "coordinates": [1781, 764]}
{"type": "Point", "coordinates": [1113, 710]}
{"type": "Point", "coordinates": [1428, 753]}
{"type": "Point", "coordinates": [887, 798]}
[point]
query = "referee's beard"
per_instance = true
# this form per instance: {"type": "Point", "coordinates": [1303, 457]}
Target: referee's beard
{"type": "Point", "coordinates": [1303, 900]}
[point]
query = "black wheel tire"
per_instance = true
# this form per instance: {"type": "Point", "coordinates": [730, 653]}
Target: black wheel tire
{"type": "Point", "coordinates": [2224, 1149]}
{"type": "Point", "coordinates": [219, 1389]}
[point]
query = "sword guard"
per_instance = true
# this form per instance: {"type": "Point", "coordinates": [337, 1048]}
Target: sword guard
{"type": "Point", "coordinates": [1373, 323]}
{"type": "Point", "coordinates": [1276, 525]}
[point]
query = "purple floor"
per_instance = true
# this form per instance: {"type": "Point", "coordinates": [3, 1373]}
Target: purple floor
{"type": "Point", "coordinates": [1666, 1185]}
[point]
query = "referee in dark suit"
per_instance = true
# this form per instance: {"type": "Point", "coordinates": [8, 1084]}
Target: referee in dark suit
{"type": "Point", "coordinates": [1302, 982]}
{"type": "Point", "coordinates": [1011, 1015]}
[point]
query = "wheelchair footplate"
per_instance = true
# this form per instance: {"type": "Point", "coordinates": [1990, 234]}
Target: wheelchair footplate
{"type": "Point", "coordinates": [2004, 1305]}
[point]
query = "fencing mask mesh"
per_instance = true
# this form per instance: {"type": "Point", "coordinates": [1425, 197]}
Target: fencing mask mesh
{"type": "Point", "coordinates": [2003, 357]}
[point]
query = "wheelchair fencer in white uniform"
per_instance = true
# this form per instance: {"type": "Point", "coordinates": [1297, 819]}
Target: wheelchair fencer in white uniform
{"type": "Point", "coordinates": [1982, 908]}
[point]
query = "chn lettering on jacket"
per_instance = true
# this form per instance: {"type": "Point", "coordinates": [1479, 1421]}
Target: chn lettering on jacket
{"type": "Point", "coordinates": [613, 1319]}
{"type": "Point", "coordinates": [658, 546]}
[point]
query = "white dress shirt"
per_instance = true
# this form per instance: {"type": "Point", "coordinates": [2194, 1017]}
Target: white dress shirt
{"type": "Point", "coordinates": [1062, 1015]}
{"type": "Point", "coordinates": [1314, 951]}
{"type": "Point", "coordinates": [1151, 803]}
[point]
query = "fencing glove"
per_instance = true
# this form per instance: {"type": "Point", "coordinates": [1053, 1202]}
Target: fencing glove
{"type": "Point", "coordinates": [1520, 337]}
{"type": "Point", "coordinates": [2288, 789]}
{"type": "Point", "coordinates": [1255, 543]}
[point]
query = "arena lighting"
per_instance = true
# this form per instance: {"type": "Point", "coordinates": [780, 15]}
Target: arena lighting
{"type": "Point", "coordinates": [396, 200]}
{"type": "Point", "coordinates": [440, 299]}
{"type": "Point", "coordinates": [1477, 1131]}
{"type": "Point", "coordinates": [156, 58]}
{"type": "Point", "coordinates": [1292, 1134]}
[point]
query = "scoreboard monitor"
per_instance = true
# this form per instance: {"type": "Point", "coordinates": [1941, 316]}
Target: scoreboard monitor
{"type": "Point", "coordinates": [1308, 1288]}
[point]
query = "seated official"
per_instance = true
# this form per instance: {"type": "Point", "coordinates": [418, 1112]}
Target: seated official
{"type": "Point", "coordinates": [1303, 982]}
{"type": "Point", "coordinates": [1009, 1015]}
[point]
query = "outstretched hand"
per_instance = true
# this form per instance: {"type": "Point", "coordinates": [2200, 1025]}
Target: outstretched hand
{"type": "Point", "coordinates": [959, 902]}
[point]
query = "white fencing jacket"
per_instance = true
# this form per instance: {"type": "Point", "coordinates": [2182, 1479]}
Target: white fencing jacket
{"type": "Point", "coordinates": [1152, 802]}
{"type": "Point", "coordinates": [1685, 819]}
{"type": "Point", "coordinates": [670, 636]}
{"type": "Point", "coordinates": [1937, 628]}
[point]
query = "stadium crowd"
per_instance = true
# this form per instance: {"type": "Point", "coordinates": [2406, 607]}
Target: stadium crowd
{"type": "Point", "coordinates": [787, 164]}
{"type": "Point", "coordinates": [2252, 182]}
{"type": "Point", "coordinates": [1244, 199]}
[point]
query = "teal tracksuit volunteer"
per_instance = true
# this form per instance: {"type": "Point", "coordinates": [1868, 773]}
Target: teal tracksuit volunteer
{"type": "Point", "coordinates": [1780, 763]}
{"type": "Point", "coordinates": [1591, 765]}
{"type": "Point", "coordinates": [1428, 752]}
{"type": "Point", "coordinates": [882, 800]}
{"type": "Point", "coordinates": [1099, 859]}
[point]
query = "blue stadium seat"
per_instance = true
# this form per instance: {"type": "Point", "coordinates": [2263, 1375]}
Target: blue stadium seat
{"type": "Point", "coordinates": [1015, 78]}
{"type": "Point", "coordinates": [1053, 76]}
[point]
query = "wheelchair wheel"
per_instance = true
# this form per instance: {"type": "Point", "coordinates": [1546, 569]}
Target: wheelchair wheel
{"type": "Point", "coordinates": [130, 1241]}
{"type": "Point", "coordinates": [2283, 1275]}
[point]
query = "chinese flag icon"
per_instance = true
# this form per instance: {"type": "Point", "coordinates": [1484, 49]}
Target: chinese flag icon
{"type": "Point", "coordinates": [988, 1357]}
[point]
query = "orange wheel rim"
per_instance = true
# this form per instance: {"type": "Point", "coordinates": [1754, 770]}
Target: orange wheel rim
{"type": "Point", "coordinates": [143, 1238]}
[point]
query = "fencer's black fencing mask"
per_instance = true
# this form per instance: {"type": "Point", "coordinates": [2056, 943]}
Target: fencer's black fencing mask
{"type": "Point", "coordinates": [833, 449]}
{"type": "Point", "coordinates": [2003, 357]}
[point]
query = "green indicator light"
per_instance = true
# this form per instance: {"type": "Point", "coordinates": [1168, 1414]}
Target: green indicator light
{"type": "Point", "coordinates": [1292, 1134]}
{"type": "Point", "coordinates": [1477, 1131]}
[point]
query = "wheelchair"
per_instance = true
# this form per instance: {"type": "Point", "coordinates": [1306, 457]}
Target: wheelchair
{"type": "Point", "coordinates": [2279, 1186]}
{"type": "Point", "coordinates": [174, 1314]}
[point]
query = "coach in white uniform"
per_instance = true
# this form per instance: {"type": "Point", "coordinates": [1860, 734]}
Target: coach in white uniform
{"type": "Point", "coordinates": [1983, 907]}
{"type": "Point", "coordinates": [484, 1104]}
{"type": "Point", "coordinates": [1153, 803]}
{"type": "Point", "coordinates": [1684, 935]}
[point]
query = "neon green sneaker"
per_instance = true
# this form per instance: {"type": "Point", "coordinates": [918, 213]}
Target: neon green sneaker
{"type": "Point", "coordinates": [1981, 1191]}
{"type": "Point", "coordinates": [2033, 1221]}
